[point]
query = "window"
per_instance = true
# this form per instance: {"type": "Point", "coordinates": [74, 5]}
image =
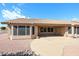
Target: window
{"type": "Point", "coordinates": [51, 29]}
{"type": "Point", "coordinates": [27, 29]}
{"type": "Point", "coordinates": [44, 29]}
{"type": "Point", "coordinates": [14, 30]}
{"type": "Point", "coordinates": [77, 30]}
{"type": "Point", "coordinates": [21, 30]}
{"type": "Point", "coordinates": [41, 29]}
{"type": "Point", "coordinates": [74, 30]}
{"type": "Point", "coordinates": [33, 30]}
{"type": "Point", "coordinates": [69, 30]}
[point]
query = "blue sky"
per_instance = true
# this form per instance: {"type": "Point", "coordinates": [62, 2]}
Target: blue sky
{"type": "Point", "coordinates": [58, 11]}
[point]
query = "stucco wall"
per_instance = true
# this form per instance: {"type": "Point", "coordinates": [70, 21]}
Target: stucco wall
{"type": "Point", "coordinates": [61, 30]}
{"type": "Point", "coordinates": [57, 31]}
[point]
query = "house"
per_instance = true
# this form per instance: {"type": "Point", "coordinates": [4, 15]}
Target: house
{"type": "Point", "coordinates": [23, 28]}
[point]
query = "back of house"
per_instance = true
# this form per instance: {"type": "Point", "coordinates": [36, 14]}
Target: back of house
{"type": "Point", "coordinates": [23, 28]}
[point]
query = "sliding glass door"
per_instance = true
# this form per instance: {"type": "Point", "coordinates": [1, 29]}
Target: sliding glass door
{"type": "Point", "coordinates": [77, 30]}
{"type": "Point", "coordinates": [21, 30]}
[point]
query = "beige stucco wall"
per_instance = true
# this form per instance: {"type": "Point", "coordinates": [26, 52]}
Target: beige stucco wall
{"type": "Point", "coordinates": [58, 31]}
{"type": "Point", "coordinates": [61, 30]}
{"type": "Point", "coordinates": [64, 31]}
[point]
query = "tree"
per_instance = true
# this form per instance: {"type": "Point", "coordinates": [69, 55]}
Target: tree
{"type": "Point", "coordinates": [3, 28]}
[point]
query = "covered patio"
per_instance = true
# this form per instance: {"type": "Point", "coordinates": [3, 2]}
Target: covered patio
{"type": "Point", "coordinates": [46, 30]}
{"type": "Point", "coordinates": [28, 31]}
{"type": "Point", "coordinates": [22, 28]}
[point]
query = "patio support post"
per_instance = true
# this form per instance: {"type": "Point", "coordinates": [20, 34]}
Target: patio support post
{"type": "Point", "coordinates": [31, 31]}
{"type": "Point", "coordinates": [36, 31]}
{"type": "Point", "coordinates": [17, 30]}
{"type": "Point", "coordinates": [66, 31]}
{"type": "Point", "coordinates": [72, 30]}
{"type": "Point", "coordinates": [76, 31]}
{"type": "Point", "coordinates": [11, 32]}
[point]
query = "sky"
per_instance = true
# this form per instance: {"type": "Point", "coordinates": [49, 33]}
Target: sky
{"type": "Point", "coordinates": [53, 11]}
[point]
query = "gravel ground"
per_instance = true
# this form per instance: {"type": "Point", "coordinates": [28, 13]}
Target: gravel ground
{"type": "Point", "coordinates": [7, 45]}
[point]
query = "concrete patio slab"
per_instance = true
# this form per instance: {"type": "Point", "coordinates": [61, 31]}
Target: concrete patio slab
{"type": "Point", "coordinates": [53, 46]}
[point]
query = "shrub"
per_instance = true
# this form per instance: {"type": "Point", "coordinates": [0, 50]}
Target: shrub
{"type": "Point", "coordinates": [3, 28]}
{"type": "Point", "coordinates": [21, 53]}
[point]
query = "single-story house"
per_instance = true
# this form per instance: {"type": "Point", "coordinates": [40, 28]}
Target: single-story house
{"type": "Point", "coordinates": [23, 28]}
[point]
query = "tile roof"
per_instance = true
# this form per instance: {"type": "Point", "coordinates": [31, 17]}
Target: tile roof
{"type": "Point", "coordinates": [75, 22]}
{"type": "Point", "coordinates": [36, 21]}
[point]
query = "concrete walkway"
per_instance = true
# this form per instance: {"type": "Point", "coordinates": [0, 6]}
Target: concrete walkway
{"type": "Point", "coordinates": [55, 46]}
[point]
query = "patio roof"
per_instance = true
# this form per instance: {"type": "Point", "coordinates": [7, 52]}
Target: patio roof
{"type": "Point", "coordinates": [35, 21]}
{"type": "Point", "coordinates": [75, 22]}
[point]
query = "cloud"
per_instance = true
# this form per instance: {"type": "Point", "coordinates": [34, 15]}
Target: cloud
{"type": "Point", "coordinates": [12, 14]}
{"type": "Point", "coordinates": [20, 4]}
{"type": "Point", "coordinates": [3, 4]}
{"type": "Point", "coordinates": [74, 19]}
{"type": "Point", "coordinates": [16, 9]}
